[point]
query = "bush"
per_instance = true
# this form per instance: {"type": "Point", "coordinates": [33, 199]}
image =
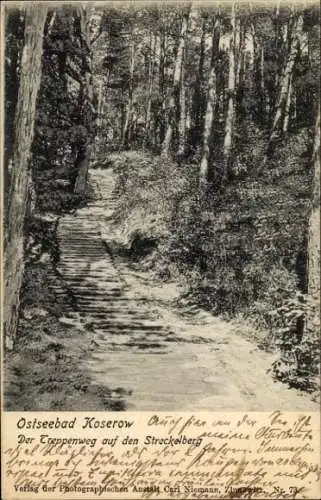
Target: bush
{"type": "Point", "coordinates": [149, 191]}
{"type": "Point", "coordinates": [235, 248]}
{"type": "Point", "coordinates": [239, 248]}
{"type": "Point", "coordinates": [297, 336]}
{"type": "Point", "coordinates": [278, 287]}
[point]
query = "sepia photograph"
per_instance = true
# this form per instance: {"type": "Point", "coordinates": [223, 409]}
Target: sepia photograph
{"type": "Point", "coordinates": [161, 206]}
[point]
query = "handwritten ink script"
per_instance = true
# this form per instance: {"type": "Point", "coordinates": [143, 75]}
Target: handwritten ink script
{"type": "Point", "coordinates": [179, 455]}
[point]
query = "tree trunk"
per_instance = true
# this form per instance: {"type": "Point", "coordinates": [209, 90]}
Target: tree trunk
{"type": "Point", "coordinates": [229, 123]}
{"type": "Point", "coordinates": [210, 106]}
{"type": "Point", "coordinates": [174, 98]}
{"type": "Point", "coordinates": [162, 60]}
{"type": "Point", "coordinates": [151, 71]}
{"type": "Point", "coordinates": [188, 122]}
{"type": "Point", "coordinates": [240, 72]}
{"type": "Point", "coordinates": [182, 115]}
{"type": "Point", "coordinates": [314, 222]}
{"type": "Point", "coordinates": [198, 97]}
{"type": "Point", "coordinates": [257, 75]}
{"type": "Point", "coordinates": [100, 104]}
{"type": "Point", "coordinates": [285, 81]}
{"type": "Point", "coordinates": [241, 57]}
{"type": "Point", "coordinates": [252, 59]}
{"type": "Point", "coordinates": [86, 102]}
{"type": "Point", "coordinates": [237, 50]}
{"type": "Point", "coordinates": [99, 114]}
{"type": "Point", "coordinates": [262, 84]}
{"type": "Point", "coordinates": [14, 26]}
{"type": "Point", "coordinates": [130, 93]}
{"type": "Point", "coordinates": [287, 108]}
{"type": "Point", "coordinates": [278, 48]}
{"type": "Point", "coordinates": [30, 79]}
{"type": "Point", "coordinates": [82, 163]}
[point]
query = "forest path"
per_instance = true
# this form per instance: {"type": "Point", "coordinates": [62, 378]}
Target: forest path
{"type": "Point", "coordinates": [155, 357]}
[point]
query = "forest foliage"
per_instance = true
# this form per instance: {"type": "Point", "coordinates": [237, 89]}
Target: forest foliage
{"type": "Point", "coordinates": [208, 115]}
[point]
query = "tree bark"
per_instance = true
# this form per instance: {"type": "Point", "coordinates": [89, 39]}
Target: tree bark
{"type": "Point", "coordinates": [287, 108]}
{"type": "Point", "coordinates": [14, 26]}
{"type": "Point", "coordinates": [100, 104]}
{"type": "Point", "coordinates": [198, 97]}
{"type": "Point", "coordinates": [278, 53]}
{"type": "Point", "coordinates": [86, 102]}
{"type": "Point", "coordinates": [162, 89]}
{"type": "Point", "coordinates": [188, 122]}
{"type": "Point", "coordinates": [285, 81]}
{"type": "Point", "coordinates": [229, 123]}
{"type": "Point", "coordinates": [182, 115]}
{"type": "Point", "coordinates": [237, 50]}
{"type": "Point", "coordinates": [30, 79]}
{"type": "Point", "coordinates": [174, 98]}
{"type": "Point", "coordinates": [257, 74]}
{"type": "Point", "coordinates": [240, 71]}
{"type": "Point", "coordinates": [314, 222]}
{"type": "Point", "coordinates": [252, 58]}
{"type": "Point", "coordinates": [262, 83]}
{"type": "Point", "coordinates": [151, 74]}
{"type": "Point", "coordinates": [82, 163]}
{"type": "Point", "coordinates": [241, 57]}
{"type": "Point", "coordinates": [130, 93]}
{"type": "Point", "coordinates": [210, 106]}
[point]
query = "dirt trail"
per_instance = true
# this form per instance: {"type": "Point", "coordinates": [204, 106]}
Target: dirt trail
{"type": "Point", "coordinates": [157, 358]}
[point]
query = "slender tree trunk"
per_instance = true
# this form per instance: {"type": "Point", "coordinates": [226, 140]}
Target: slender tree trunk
{"type": "Point", "coordinates": [103, 92]}
{"type": "Point", "coordinates": [188, 121]}
{"type": "Point", "coordinates": [155, 122]}
{"type": "Point", "coordinates": [182, 115]}
{"type": "Point", "coordinates": [198, 97]}
{"type": "Point", "coordinates": [262, 84]}
{"type": "Point", "coordinates": [174, 98]}
{"type": "Point", "coordinates": [100, 103]}
{"type": "Point", "coordinates": [99, 114]}
{"type": "Point", "coordinates": [88, 112]}
{"type": "Point", "coordinates": [210, 106]}
{"type": "Point", "coordinates": [237, 49]}
{"type": "Point", "coordinates": [314, 222]}
{"type": "Point", "coordinates": [287, 108]}
{"type": "Point", "coordinates": [130, 93]}
{"type": "Point", "coordinates": [294, 104]}
{"type": "Point", "coordinates": [229, 123]}
{"type": "Point", "coordinates": [278, 54]}
{"type": "Point", "coordinates": [282, 48]}
{"type": "Point", "coordinates": [252, 57]}
{"type": "Point", "coordinates": [30, 79]}
{"type": "Point", "coordinates": [240, 72]}
{"type": "Point", "coordinates": [151, 71]}
{"type": "Point", "coordinates": [258, 73]}
{"type": "Point", "coordinates": [285, 83]}
{"type": "Point", "coordinates": [240, 58]}
{"type": "Point", "coordinates": [162, 89]}
{"type": "Point", "coordinates": [254, 72]}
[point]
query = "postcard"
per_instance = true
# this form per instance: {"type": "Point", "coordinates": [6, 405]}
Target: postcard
{"type": "Point", "coordinates": [161, 250]}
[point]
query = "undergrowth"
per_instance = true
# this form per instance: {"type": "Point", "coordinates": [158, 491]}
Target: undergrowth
{"type": "Point", "coordinates": [238, 249]}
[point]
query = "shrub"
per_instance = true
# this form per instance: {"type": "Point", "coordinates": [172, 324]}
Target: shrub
{"type": "Point", "coordinates": [297, 336]}
{"type": "Point", "coordinates": [234, 248]}
{"type": "Point", "coordinates": [149, 191]}
{"type": "Point", "coordinates": [239, 248]}
{"type": "Point", "coordinates": [278, 287]}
